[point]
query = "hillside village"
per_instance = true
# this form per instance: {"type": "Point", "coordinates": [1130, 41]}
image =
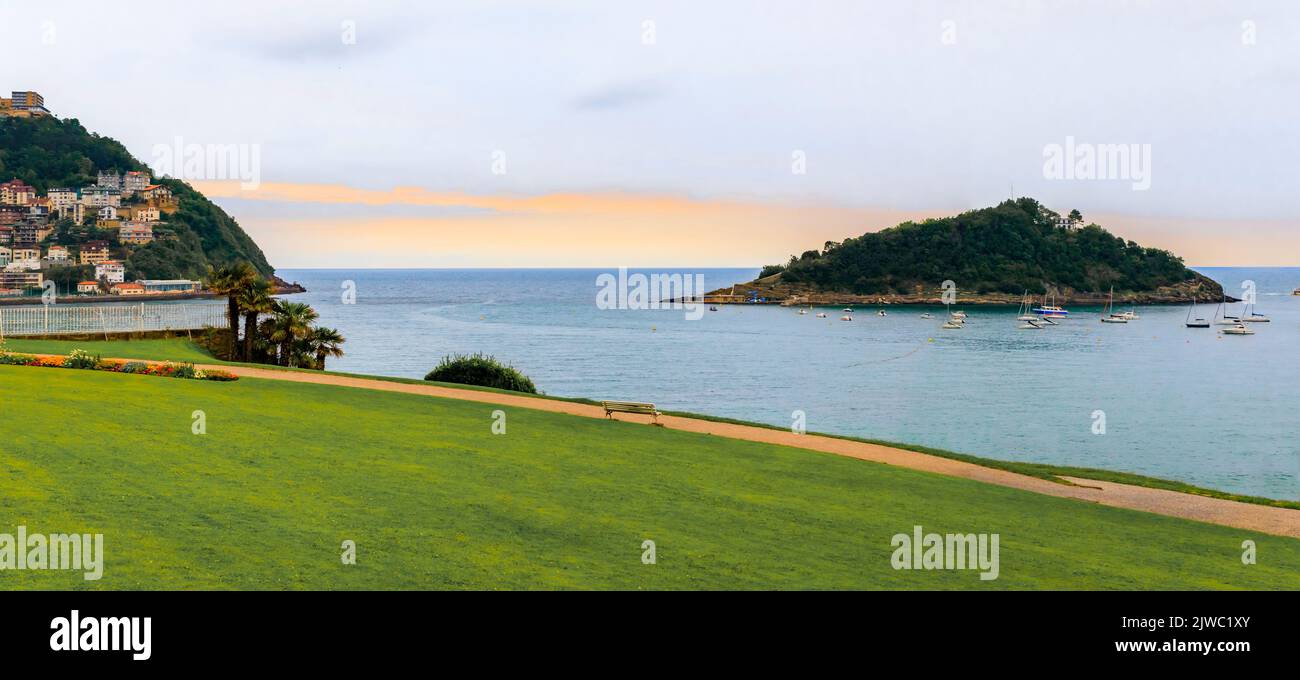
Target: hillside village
{"type": "Point", "coordinates": [86, 226]}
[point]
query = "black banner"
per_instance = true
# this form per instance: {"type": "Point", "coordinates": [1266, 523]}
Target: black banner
{"type": "Point", "coordinates": [149, 630]}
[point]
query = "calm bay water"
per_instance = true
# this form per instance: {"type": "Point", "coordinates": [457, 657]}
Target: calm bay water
{"type": "Point", "coordinates": [1179, 403]}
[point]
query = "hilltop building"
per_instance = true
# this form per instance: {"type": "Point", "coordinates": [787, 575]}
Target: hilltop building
{"type": "Point", "coordinates": [23, 105]}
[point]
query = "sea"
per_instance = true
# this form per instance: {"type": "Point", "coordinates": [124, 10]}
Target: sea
{"type": "Point", "coordinates": [1151, 396]}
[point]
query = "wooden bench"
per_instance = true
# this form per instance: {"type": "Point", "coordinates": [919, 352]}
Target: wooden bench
{"type": "Point", "coordinates": [612, 407]}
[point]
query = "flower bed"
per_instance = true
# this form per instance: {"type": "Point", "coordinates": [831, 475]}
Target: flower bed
{"type": "Point", "coordinates": [80, 359]}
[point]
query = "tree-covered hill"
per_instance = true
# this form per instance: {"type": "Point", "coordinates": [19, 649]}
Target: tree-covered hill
{"type": "Point", "coordinates": [1014, 247]}
{"type": "Point", "coordinates": [47, 152]}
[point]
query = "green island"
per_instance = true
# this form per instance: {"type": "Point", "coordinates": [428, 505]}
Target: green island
{"type": "Point", "coordinates": [995, 255]}
{"type": "Point", "coordinates": [432, 498]}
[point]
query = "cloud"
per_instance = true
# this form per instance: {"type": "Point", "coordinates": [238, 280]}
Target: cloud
{"type": "Point", "coordinates": [620, 96]}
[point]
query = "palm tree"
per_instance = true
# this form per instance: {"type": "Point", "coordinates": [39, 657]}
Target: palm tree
{"type": "Point", "coordinates": [325, 342]}
{"type": "Point", "coordinates": [291, 322]}
{"type": "Point", "coordinates": [227, 280]}
{"type": "Point", "coordinates": [254, 300]}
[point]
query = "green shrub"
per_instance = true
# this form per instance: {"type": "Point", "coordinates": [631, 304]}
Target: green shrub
{"type": "Point", "coordinates": [81, 359]}
{"type": "Point", "coordinates": [480, 370]}
{"type": "Point", "coordinates": [171, 369]}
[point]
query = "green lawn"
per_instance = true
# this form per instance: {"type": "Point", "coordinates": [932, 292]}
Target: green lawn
{"type": "Point", "coordinates": [173, 349]}
{"type": "Point", "coordinates": [287, 472]}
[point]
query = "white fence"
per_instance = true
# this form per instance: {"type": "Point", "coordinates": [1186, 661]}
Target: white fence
{"type": "Point", "coordinates": [59, 319]}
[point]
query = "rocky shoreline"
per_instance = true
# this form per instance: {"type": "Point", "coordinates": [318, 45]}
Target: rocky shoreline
{"type": "Point", "coordinates": [773, 291]}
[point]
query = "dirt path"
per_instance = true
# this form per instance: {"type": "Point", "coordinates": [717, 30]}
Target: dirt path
{"type": "Point", "coordinates": [1265, 519]}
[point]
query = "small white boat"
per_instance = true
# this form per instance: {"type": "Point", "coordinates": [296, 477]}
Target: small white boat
{"type": "Point", "coordinates": [1129, 315]}
{"type": "Point", "coordinates": [880, 312]}
{"type": "Point", "coordinates": [1239, 329]}
{"type": "Point", "coordinates": [927, 315]}
{"type": "Point", "coordinates": [821, 315]}
{"type": "Point", "coordinates": [952, 324]}
{"type": "Point", "coordinates": [846, 317]}
{"type": "Point", "coordinates": [803, 312]}
{"type": "Point", "coordinates": [1251, 316]}
{"type": "Point", "coordinates": [847, 310]}
{"type": "Point", "coordinates": [958, 315]}
{"type": "Point", "coordinates": [1107, 312]}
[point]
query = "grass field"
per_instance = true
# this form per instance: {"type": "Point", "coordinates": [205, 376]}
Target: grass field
{"type": "Point", "coordinates": [433, 499]}
{"type": "Point", "coordinates": [173, 349]}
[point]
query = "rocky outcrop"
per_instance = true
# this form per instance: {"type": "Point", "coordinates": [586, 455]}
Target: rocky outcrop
{"type": "Point", "coordinates": [774, 291]}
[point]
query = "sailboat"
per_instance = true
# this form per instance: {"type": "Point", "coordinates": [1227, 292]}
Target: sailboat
{"type": "Point", "coordinates": [880, 312]}
{"type": "Point", "coordinates": [1249, 314]}
{"type": "Point", "coordinates": [1023, 314]}
{"type": "Point", "coordinates": [1198, 322]}
{"type": "Point", "coordinates": [1107, 315]}
{"type": "Point", "coordinates": [1221, 317]}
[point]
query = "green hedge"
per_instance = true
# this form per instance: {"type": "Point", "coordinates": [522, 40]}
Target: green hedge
{"type": "Point", "coordinates": [480, 370]}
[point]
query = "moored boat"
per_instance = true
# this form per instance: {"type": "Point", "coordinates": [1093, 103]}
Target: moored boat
{"type": "Point", "coordinates": [1251, 316]}
{"type": "Point", "coordinates": [1198, 322]}
{"type": "Point", "coordinates": [1107, 312]}
{"type": "Point", "coordinates": [1051, 310]}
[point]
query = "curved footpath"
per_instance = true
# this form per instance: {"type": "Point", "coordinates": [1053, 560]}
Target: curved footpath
{"type": "Point", "coordinates": [1262, 518]}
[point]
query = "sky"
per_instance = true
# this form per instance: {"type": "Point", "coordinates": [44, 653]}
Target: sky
{"type": "Point", "coordinates": [722, 133]}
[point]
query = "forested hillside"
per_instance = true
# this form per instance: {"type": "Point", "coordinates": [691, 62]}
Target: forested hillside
{"type": "Point", "coordinates": [1013, 247]}
{"type": "Point", "coordinates": [47, 152]}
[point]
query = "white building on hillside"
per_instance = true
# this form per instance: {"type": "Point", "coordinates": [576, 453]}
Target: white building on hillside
{"type": "Point", "coordinates": [111, 271]}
